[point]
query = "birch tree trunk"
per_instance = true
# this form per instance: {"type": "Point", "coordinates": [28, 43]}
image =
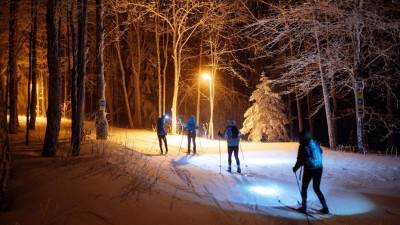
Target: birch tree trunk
{"type": "Point", "coordinates": [356, 75]}
{"type": "Point", "coordinates": [165, 49]}
{"type": "Point", "coordinates": [198, 81]}
{"type": "Point", "coordinates": [123, 82]}
{"type": "Point", "coordinates": [12, 67]}
{"type": "Point", "coordinates": [325, 92]}
{"type": "Point", "coordinates": [101, 120]}
{"type": "Point", "coordinates": [175, 55]}
{"type": "Point", "coordinates": [159, 87]}
{"type": "Point", "coordinates": [53, 114]}
{"type": "Point", "coordinates": [136, 76]}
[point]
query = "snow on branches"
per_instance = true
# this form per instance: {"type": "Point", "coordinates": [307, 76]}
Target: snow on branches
{"type": "Point", "coordinates": [265, 119]}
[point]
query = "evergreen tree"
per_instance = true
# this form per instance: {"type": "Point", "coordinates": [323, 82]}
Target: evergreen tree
{"type": "Point", "coordinates": [265, 119]}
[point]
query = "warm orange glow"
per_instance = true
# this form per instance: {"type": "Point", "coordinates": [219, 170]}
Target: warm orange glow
{"type": "Point", "coordinates": [206, 76]}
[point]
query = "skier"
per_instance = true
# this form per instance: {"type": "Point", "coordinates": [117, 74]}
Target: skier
{"type": "Point", "coordinates": [232, 135]}
{"type": "Point", "coordinates": [204, 129]}
{"type": "Point", "coordinates": [191, 127]}
{"type": "Point", "coordinates": [161, 133]}
{"type": "Point", "coordinates": [310, 157]}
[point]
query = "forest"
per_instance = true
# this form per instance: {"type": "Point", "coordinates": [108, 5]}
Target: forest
{"type": "Point", "coordinates": [275, 67]}
{"type": "Point", "coordinates": [335, 65]}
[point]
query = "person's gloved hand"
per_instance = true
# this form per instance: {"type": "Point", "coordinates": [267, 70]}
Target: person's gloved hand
{"type": "Point", "coordinates": [294, 169]}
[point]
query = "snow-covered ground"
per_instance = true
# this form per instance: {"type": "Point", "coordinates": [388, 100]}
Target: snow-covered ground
{"type": "Point", "coordinates": [267, 179]}
{"type": "Point", "coordinates": [129, 182]}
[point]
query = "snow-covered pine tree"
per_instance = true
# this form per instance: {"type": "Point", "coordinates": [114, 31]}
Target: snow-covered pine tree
{"type": "Point", "coordinates": [266, 118]}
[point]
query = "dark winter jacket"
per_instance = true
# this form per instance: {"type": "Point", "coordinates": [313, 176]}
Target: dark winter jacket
{"type": "Point", "coordinates": [191, 126]}
{"type": "Point", "coordinates": [161, 126]}
{"type": "Point", "coordinates": [309, 155]}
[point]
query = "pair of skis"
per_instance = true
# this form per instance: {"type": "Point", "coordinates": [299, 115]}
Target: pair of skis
{"type": "Point", "coordinates": [314, 214]}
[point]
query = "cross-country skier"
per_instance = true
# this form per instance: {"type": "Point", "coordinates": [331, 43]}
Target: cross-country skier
{"type": "Point", "coordinates": [161, 133]}
{"type": "Point", "coordinates": [232, 135]}
{"type": "Point", "coordinates": [191, 127]}
{"type": "Point", "coordinates": [310, 157]}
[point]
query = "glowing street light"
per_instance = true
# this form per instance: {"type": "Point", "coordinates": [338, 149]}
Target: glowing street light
{"type": "Point", "coordinates": [208, 76]}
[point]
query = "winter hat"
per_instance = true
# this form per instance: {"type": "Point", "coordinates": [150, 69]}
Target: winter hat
{"type": "Point", "coordinates": [231, 122]}
{"type": "Point", "coordinates": [305, 135]}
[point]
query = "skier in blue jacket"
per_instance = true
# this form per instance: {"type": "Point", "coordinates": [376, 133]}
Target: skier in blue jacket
{"type": "Point", "coordinates": [310, 157]}
{"type": "Point", "coordinates": [191, 128]}
{"type": "Point", "coordinates": [232, 136]}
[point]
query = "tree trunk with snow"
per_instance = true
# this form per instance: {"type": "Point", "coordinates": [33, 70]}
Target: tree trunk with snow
{"type": "Point", "coordinates": [136, 77]}
{"type": "Point", "coordinates": [122, 70]}
{"type": "Point", "coordinates": [358, 27]}
{"type": "Point", "coordinates": [54, 93]}
{"type": "Point", "coordinates": [101, 120]}
{"type": "Point", "coordinates": [325, 93]}
{"type": "Point", "coordinates": [158, 55]}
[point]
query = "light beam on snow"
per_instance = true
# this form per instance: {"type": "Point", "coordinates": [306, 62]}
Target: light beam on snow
{"type": "Point", "coordinates": [265, 190]}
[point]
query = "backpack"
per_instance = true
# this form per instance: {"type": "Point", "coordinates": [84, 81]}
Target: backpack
{"type": "Point", "coordinates": [235, 132]}
{"type": "Point", "coordinates": [160, 126]}
{"type": "Point", "coordinates": [314, 155]}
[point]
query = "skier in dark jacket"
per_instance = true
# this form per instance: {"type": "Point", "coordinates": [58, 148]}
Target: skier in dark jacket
{"type": "Point", "coordinates": [310, 157]}
{"type": "Point", "coordinates": [232, 136]}
{"type": "Point", "coordinates": [161, 133]}
{"type": "Point", "coordinates": [191, 127]}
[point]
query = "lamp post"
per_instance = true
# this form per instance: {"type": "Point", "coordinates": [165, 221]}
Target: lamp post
{"type": "Point", "coordinates": [207, 76]}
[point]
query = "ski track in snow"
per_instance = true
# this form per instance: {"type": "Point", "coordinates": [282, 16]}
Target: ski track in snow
{"type": "Point", "coordinates": [267, 177]}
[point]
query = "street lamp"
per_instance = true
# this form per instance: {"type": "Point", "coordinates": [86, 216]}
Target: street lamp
{"type": "Point", "coordinates": [208, 76]}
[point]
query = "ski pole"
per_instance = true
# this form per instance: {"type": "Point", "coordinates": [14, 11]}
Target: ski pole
{"type": "Point", "coordinates": [154, 142]}
{"type": "Point", "coordinates": [297, 181]}
{"type": "Point", "coordinates": [179, 151]}
{"type": "Point", "coordinates": [219, 148]}
{"type": "Point", "coordinates": [241, 149]}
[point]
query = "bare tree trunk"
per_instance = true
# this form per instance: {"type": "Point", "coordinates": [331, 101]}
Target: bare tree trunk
{"type": "Point", "coordinates": [136, 76]}
{"type": "Point", "coordinates": [54, 94]}
{"type": "Point", "coordinates": [334, 114]}
{"type": "Point", "coordinates": [12, 67]}
{"type": "Point", "coordinates": [101, 120]}
{"type": "Point", "coordinates": [356, 74]}
{"type": "Point", "coordinates": [165, 69]}
{"type": "Point", "coordinates": [310, 119]}
{"type": "Point", "coordinates": [175, 56]}
{"type": "Point", "coordinates": [73, 80]}
{"type": "Point", "coordinates": [290, 116]}
{"type": "Point", "coordinates": [159, 88]}
{"type": "Point", "coordinates": [31, 40]}
{"type": "Point", "coordinates": [389, 111]}
{"type": "Point", "coordinates": [81, 73]}
{"type": "Point", "coordinates": [198, 81]}
{"type": "Point", "coordinates": [5, 157]}
{"type": "Point", "coordinates": [123, 82]}
{"type": "Point", "coordinates": [325, 92]}
{"type": "Point", "coordinates": [299, 114]}
{"type": "Point", "coordinates": [33, 95]}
